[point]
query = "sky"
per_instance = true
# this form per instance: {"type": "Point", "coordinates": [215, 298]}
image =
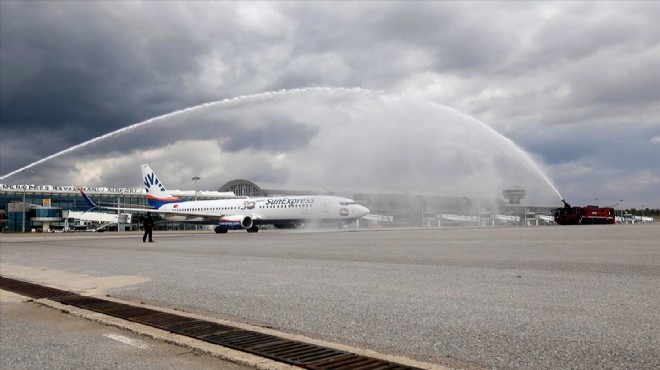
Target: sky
{"type": "Point", "coordinates": [576, 85]}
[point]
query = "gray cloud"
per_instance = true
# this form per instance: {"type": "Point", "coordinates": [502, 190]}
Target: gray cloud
{"type": "Point", "coordinates": [549, 75]}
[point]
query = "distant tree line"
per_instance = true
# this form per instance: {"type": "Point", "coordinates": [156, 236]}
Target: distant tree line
{"type": "Point", "coordinates": [646, 212]}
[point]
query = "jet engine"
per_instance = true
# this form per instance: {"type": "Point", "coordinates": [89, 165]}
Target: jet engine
{"type": "Point", "coordinates": [234, 223]}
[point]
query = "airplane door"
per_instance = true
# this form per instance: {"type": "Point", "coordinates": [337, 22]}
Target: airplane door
{"type": "Point", "coordinates": [325, 207]}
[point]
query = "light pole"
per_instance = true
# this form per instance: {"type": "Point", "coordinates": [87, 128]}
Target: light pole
{"type": "Point", "coordinates": [195, 178]}
{"type": "Point", "coordinates": [119, 198]}
{"type": "Point", "coordinates": [24, 189]}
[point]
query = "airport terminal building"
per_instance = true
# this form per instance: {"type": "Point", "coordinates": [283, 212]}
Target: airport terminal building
{"type": "Point", "coordinates": [57, 208]}
{"type": "Point", "coordinates": [46, 207]}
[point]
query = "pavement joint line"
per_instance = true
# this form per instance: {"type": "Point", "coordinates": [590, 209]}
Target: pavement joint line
{"type": "Point", "coordinates": [215, 350]}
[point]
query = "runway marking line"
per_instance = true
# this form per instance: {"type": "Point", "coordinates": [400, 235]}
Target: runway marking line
{"type": "Point", "coordinates": [127, 340]}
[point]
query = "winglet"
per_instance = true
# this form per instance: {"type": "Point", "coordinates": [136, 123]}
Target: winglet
{"type": "Point", "coordinates": [88, 200]}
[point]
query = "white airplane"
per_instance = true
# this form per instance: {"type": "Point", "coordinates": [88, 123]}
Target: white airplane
{"type": "Point", "coordinates": [243, 213]}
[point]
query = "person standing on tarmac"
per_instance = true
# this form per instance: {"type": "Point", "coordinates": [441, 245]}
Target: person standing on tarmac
{"type": "Point", "coordinates": [148, 224]}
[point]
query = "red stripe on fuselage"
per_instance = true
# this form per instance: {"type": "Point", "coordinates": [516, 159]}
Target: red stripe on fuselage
{"type": "Point", "coordinates": [170, 200]}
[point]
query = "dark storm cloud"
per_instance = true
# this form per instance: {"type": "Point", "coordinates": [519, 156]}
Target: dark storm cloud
{"type": "Point", "coordinates": [614, 142]}
{"type": "Point", "coordinates": [83, 69]}
{"type": "Point", "coordinates": [458, 40]}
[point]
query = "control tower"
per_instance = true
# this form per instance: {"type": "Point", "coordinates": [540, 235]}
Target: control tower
{"type": "Point", "coordinates": [514, 194]}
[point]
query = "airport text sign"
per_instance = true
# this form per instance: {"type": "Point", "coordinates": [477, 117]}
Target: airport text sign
{"type": "Point", "coordinates": [70, 188]}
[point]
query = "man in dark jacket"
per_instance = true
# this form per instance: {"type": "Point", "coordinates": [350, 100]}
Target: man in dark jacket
{"type": "Point", "coordinates": [148, 224]}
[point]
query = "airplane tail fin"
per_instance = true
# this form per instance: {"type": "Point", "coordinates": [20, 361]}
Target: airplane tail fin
{"type": "Point", "coordinates": [157, 195]}
{"type": "Point", "coordinates": [88, 200]}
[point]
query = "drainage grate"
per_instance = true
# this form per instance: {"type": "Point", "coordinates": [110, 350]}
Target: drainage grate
{"type": "Point", "coordinates": [292, 352]}
{"type": "Point", "coordinates": [32, 290]}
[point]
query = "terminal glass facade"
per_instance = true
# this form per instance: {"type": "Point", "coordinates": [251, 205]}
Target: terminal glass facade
{"type": "Point", "coordinates": [50, 205]}
{"type": "Point", "coordinates": [48, 213]}
{"type": "Point", "coordinates": [41, 206]}
{"type": "Point", "coordinates": [69, 201]}
{"type": "Point", "coordinates": [14, 222]}
{"type": "Point", "coordinates": [246, 190]}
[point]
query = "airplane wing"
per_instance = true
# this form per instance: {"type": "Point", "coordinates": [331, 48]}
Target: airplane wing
{"type": "Point", "coordinates": [93, 205]}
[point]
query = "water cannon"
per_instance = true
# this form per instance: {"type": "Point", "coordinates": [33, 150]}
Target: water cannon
{"type": "Point", "coordinates": [566, 204]}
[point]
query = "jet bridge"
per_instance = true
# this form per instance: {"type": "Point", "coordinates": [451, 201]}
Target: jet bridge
{"type": "Point", "coordinates": [94, 221]}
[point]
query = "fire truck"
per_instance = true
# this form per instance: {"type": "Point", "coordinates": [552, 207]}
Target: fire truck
{"type": "Point", "coordinates": [584, 215]}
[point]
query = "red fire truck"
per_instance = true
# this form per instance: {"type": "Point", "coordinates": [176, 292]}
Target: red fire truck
{"type": "Point", "coordinates": [584, 215]}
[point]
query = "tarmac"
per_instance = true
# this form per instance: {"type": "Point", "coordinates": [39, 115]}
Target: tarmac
{"type": "Point", "coordinates": [522, 297]}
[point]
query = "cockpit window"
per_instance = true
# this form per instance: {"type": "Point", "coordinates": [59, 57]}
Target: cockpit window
{"type": "Point", "coordinates": [346, 203]}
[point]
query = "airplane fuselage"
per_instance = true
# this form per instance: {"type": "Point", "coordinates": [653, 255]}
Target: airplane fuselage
{"type": "Point", "coordinates": [270, 210]}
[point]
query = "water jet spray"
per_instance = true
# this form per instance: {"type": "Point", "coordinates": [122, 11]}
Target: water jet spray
{"type": "Point", "coordinates": [299, 137]}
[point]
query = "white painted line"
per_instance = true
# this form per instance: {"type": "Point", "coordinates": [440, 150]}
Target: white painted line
{"type": "Point", "coordinates": [127, 340]}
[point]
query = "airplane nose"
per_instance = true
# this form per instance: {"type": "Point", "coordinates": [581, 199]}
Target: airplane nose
{"type": "Point", "coordinates": [363, 210]}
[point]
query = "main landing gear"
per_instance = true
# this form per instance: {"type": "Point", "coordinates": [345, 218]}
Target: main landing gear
{"type": "Point", "coordinates": [221, 230]}
{"type": "Point", "coordinates": [253, 229]}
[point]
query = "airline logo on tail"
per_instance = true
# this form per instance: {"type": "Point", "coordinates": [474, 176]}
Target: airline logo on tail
{"type": "Point", "coordinates": [151, 180]}
{"type": "Point", "coordinates": [157, 196]}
